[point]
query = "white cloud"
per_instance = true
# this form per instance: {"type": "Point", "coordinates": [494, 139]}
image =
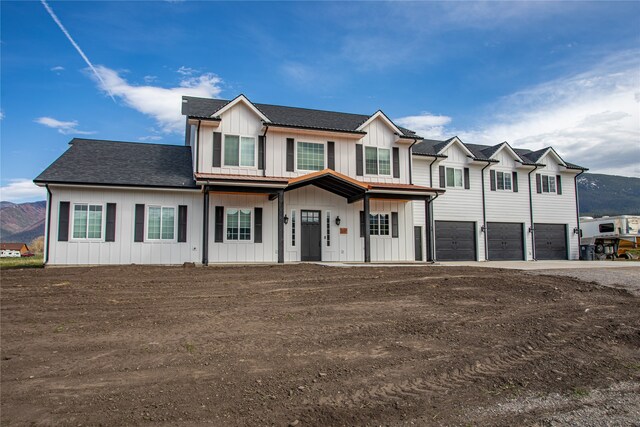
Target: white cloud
{"type": "Point", "coordinates": [65, 128]}
{"type": "Point", "coordinates": [57, 68]}
{"type": "Point", "coordinates": [1, 115]}
{"type": "Point", "coordinates": [186, 71]}
{"type": "Point", "coordinates": [591, 118]}
{"type": "Point", "coordinates": [150, 79]}
{"type": "Point", "coordinates": [162, 104]}
{"type": "Point", "coordinates": [150, 138]}
{"type": "Point", "coordinates": [426, 124]}
{"type": "Point", "coordinates": [21, 190]}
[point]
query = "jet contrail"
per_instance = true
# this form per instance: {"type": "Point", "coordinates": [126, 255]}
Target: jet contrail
{"type": "Point", "coordinates": [66, 33]}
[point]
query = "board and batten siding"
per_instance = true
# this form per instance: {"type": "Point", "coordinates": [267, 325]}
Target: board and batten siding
{"type": "Point", "coordinates": [124, 250]}
{"type": "Point", "coordinates": [553, 208]}
{"type": "Point", "coordinates": [240, 120]}
{"type": "Point", "coordinates": [507, 205]}
{"type": "Point", "coordinates": [456, 204]}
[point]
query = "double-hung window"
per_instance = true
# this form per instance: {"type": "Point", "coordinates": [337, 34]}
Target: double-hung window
{"type": "Point", "coordinates": [503, 181]}
{"type": "Point", "coordinates": [548, 183]}
{"type": "Point", "coordinates": [239, 151]}
{"type": "Point", "coordinates": [454, 177]}
{"type": "Point", "coordinates": [310, 156]}
{"type": "Point", "coordinates": [379, 224]}
{"type": "Point", "coordinates": [87, 221]}
{"type": "Point", "coordinates": [239, 224]}
{"type": "Point", "coordinates": [377, 161]}
{"type": "Point", "coordinates": [161, 223]}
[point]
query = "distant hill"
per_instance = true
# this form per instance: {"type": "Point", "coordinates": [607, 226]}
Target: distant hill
{"type": "Point", "coordinates": [21, 222]}
{"type": "Point", "coordinates": [608, 195]}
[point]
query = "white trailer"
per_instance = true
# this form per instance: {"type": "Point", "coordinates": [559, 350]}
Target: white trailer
{"type": "Point", "coordinates": [612, 236]}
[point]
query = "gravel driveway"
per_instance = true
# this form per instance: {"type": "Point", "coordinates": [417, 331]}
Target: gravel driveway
{"type": "Point", "coordinates": [621, 278]}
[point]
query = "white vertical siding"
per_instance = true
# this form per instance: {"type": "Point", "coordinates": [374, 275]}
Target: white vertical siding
{"type": "Point", "coordinates": [124, 250]}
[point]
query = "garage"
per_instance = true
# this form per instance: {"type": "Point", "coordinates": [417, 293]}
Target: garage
{"type": "Point", "coordinates": [550, 241]}
{"type": "Point", "coordinates": [455, 241]}
{"type": "Point", "coordinates": [505, 241]}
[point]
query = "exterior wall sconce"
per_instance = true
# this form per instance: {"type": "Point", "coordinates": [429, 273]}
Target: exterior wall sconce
{"type": "Point", "coordinates": [576, 230]}
{"type": "Point", "coordinates": [286, 219]}
{"type": "Point", "coordinates": [530, 230]}
{"type": "Point", "coordinates": [482, 228]}
{"type": "Point", "coordinates": [337, 220]}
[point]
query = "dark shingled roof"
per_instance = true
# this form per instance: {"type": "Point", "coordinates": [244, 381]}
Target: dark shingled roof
{"type": "Point", "coordinates": [98, 162]}
{"type": "Point", "coordinates": [286, 116]}
{"type": "Point", "coordinates": [430, 147]}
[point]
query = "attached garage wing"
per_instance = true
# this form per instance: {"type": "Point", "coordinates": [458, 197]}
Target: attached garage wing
{"type": "Point", "coordinates": [455, 241]}
{"type": "Point", "coordinates": [505, 241]}
{"type": "Point", "coordinates": [550, 241]}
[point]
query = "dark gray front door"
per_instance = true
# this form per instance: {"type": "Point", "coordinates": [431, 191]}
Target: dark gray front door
{"type": "Point", "coordinates": [505, 241]}
{"type": "Point", "coordinates": [418, 242]}
{"type": "Point", "coordinates": [455, 241]}
{"type": "Point", "coordinates": [551, 241]}
{"type": "Point", "coordinates": [311, 236]}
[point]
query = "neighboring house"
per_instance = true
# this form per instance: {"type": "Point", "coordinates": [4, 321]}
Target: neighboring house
{"type": "Point", "coordinates": [501, 203]}
{"type": "Point", "coordinates": [13, 249]}
{"type": "Point", "coordinates": [254, 183]}
{"type": "Point", "coordinates": [267, 183]}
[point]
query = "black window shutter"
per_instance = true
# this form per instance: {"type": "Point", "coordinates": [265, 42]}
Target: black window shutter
{"type": "Point", "coordinates": [331, 155]}
{"type": "Point", "coordinates": [138, 233]}
{"type": "Point", "coordinates": [219, 224]}
{"type": "Point", "coordinates": [396, 162]}
{"type": "Point", "coordinates": [559, 184]}
{"type": "Point", "coordinates": [182, 223]}
{"type": "Point", "coordinates": [361, 223]}
{"type": "Point", "coordinates": [257, 225]}
{"type": "Point", "coordinates": [110, 232]}
{"type": "Point", "coordinates": [394, 224]}
{"type": "Point", "coordinates": [63, 222]}
{"type": "Point", "coordinates": [359, 161]}
{"type": "Point", "coordinates": [261, 152]}
{"type": "Point", "coordinates": [492, 178]}
{"type": "Point", "coordinates": [538, 183]}
{"type": "Point", "coordinates": [290, 154]}
{"type": "Point", "coordinates": [443, 183]}
{"type": "Point", "coordinates": [217, 149]}
{"type": "Point", "coordinates": [467, 184]}
{"type": "Point", "coordinates": [514, 182]}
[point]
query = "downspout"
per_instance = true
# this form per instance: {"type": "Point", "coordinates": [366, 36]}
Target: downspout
{"type": "Point", "coordinates": [431, 248]}
{"type": "Point", "coordinates": [264, 151]}
{"type": "Point", "coordinates": [415, 141]}
{"type": "Point", "coordinates": [575, 184]}
{"type": "Point", "coordinates": [197, 147]}
{"type": "Point", "coordinates": [431, 172]}
{"type": "Point", "coordinates": [484, 213]}
{"type": "Point", "coordinates": [532, 228]}
{"type": "Point", "coordinates": [46, 243]}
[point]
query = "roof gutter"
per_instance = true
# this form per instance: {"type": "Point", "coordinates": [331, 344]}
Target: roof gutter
{"type": "Point", "coordinates": [484, 212]}
{"type": "Point", "coordinates": [532, 228]}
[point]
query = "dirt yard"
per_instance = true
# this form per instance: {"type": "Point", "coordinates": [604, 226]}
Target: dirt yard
{"type": "Point", "coordinates": [314, 345]}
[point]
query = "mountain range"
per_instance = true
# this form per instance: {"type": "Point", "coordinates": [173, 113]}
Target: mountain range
{"type": "Point", "coordinates": [599, 195]}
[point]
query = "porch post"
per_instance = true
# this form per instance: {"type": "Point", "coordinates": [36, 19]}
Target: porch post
{"type": "Point", "coordinates": [367, 231]}
{"type": "Point", "coordinates": [205, 227]}
{"type": "Point", "coordinates": [427, 228]}
{"type": "Point", "coordinates": [281, 226]}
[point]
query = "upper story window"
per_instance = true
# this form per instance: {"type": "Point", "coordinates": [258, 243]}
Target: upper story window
{"type": "Point", "coordinates": [377, 161]}
{"type": "Point", "coordinates": [310, 156]}
{"type": "Point", "coordinates": [239, 224]}
{"type": "Point", "coordinates": [87, 221]}
{"type": "Point", "coordinates": [454, 177]}
{"type": "Point", "coordinates": [161, 223]}
{"type": "Point", "coordinates": [548, 183]}
{"type": "Point", "coordinates": [239, 151]}
{"type": "Point", "coordinates": [503, 181]}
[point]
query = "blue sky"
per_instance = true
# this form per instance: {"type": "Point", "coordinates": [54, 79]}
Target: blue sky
{"type": "Point", "coordinates": [565, 74]}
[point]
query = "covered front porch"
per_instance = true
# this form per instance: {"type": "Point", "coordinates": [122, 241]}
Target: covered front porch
{"type": "Point", "coordinates": [321, 216]}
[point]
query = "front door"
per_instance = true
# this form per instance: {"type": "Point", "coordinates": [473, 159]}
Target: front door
{"type": "Point", "coordinates": [311, 236]}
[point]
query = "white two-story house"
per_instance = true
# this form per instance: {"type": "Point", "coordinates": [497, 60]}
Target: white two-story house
{"type": "Point", "coordinates": [500, 203]}
{"type": "Point", "coordinates": [253, 183]}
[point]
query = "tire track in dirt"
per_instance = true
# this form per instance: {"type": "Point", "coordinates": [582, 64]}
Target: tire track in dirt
{"type": "Point", "coordinates": [458, 377]}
